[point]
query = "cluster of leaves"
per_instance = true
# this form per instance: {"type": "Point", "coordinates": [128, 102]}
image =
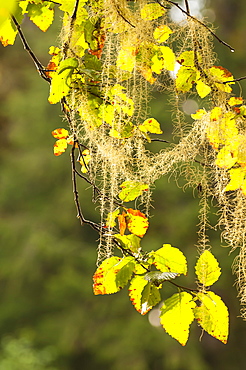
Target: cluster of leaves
{"type": "Point", "coordinates": [177, 312]}
{"type": "Point", "coordinates": [75, 74]}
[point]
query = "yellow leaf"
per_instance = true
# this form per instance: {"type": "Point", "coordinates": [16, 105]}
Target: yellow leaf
{"type": "Point", "coordinates": [143, 301]}
{"type": "Point", "coordinates": [220, 75]}
{"type": "Point", "coordinates": [237, 179]}
{"type": "Point", "coordinates": [147, 74]}
{"type": "Point", "coordinates": [235, 101]}
{"type": "Point", "coordinates": [162, 33]}
{"type": "Point", "coordinates": [186, 77]}
{"type": "Point", "coordinates": [8, 32]}
{"type": "Point", "coordinates": [84, 160]}
{"type": "Point", "coordinates": [199, 114]}
{"type": "Point", "coordinates": [170, 259]}
{"type": "Point", "coordinates": [60, 133]}
{"type": "Point", "coordinates": [212, 315]}
{"type": "Point", "coordinates": [202, 89]}
{"type": "Point", "coordinates": [150, 125]}
{"type": "Point", "coordinates": [126, 59]}
{"type": "Point", "coordinates": [41, 15]}
{"type": "Point", "coordinates": [111, 218]}
{"type": "Point", "coordinates": [177, 315]}
{"type": "Point", "coordinates": [137, 222]}
{"type": "Point", "coordinates": [152, 11]}
{"type": "Point", "coordinates": [207, 269]}
{"type": "Point", "coordinates": [60, 146]}
{"type": "Point", "coordinates": [225, 158]}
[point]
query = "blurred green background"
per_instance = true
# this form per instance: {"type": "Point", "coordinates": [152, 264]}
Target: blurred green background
{"type": "Point", "coordinates": [49, 317]}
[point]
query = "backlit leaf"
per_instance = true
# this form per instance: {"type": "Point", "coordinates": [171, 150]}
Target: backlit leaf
{"type": "Point", "coordinates": [8, 32]}
{"type": "Point", "coordinates": [60, 133]}
{"type": "Point", "coordinates": [84, 160]}
{"type": "Point", "coordinates": [122, 222]}
{"type": "Point", "coordinates": [225, 158]}
{"type": "Point", "coordinates": [41, 14]}
{"type": "Point", "coordinates": [152, 11]}
{"type": "Point", "coordinates": [60, 146]}
{"type": "Point", "coordinates": [199, 114]}
{"type": "Point", "coordinates": [170, 259]}
{"type": "Point", "coordinates": [131, 190]}
{"type": "Point", "coordinates": [130, 241]}
{"type": "Point", "coordinates": [136, 291]}
{"type": "Point", "coordinates": [237, 179]}
{"type": "Point", "coordinates": [235, 101]}
{"type": "Point", "coordinates": [111, 218]}
{"type": "Point", "coordinates": [113, 274]}
{"type": "Point", "coordinates": [126, 59]}
{"type": "Point", "coordinates": [186, 76]}
{"type": "Point", "coordinates": [220, 75]}
{"type": "Point", "coordinates": [212, 315]}
{"type": "Point", "coordinates": [150, 125]}
{"type": "Point", "coordinates": [202, 89]}
{"type": "Point", "coordinates": [137, 222]}
{"type": "Point", "coordinates": [207, 269]}
{"type": "Point", "coordinates": [162, 33]}
{"type": "Point", "coordinates": [177, 315]}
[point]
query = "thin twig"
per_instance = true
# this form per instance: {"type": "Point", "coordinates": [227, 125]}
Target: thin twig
{"type": "Point", "coordinates": [235, 80]}
{"type": "Point", "coordinates": [187, 6]}
{"type": "Point", "coordinates": [182, 287]}
{"type": "Point", "coordinates": [198, 21]}
{"type": "Point", "coordinates": [38, 65]}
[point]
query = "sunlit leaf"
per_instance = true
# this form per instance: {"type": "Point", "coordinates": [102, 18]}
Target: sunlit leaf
{"type": "Point", "coordinates": [202, 89]}
{"type": "Point", "coordinates": [186, 77]}
{"type": "Point", "coordinates": [122, 222]}
{"type": "Point", "coordinates": [235, 101]}
{"type": "Point", "coordinates": [147, 74]}
{"type": "Point", "coordinates": [225, 158]}
{"type": "Point", "coordinates": [8, 32]}
{"type": "Point", "coordinates": [164, 58]}
{"type": "Point", "coordinates": [177, 315]}
{"type": "Point", "coordinates": [199, 114]}
{"type": "Point", "coordinates": [126, 59]}
{"type": "Point", "coordinates": [150, 125]}
{"type": "Point", "coordinates": [221, 75]}
{"type": "Point", "coordinates": [137, 222]}
{"type": "Point", "coordinates": [212, 315]}
{"type": "Point", "coordinates": [170, 259]}
{"type": "Point", "coordinates": [113, 274]}
{"type": "Point", "coordinates": [41, 14]}
{"type": "Point", "coordinates": [136, 291]}
{"type": "Point", "coordinates": [130, 241]}
{"type": "Point", "coordinates": [152, 11]}
{"type": "Point", "coordinates": [207, 269]}
{"type": "Point", "coordinates": [131, 190]}
{"type": "Point", "coordinates": [237, 179]}
{"type": "Point", "coordinates": [60, 133]}
{"type": "Point", "coordinates": [60, 146]}
{"type": "Point", "coordinates": [162, 33]}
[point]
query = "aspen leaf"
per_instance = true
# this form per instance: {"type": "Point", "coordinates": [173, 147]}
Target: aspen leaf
{"type": "Point", "coordinates": [199, 114]}
{"type": "Point", "coordinates": [207, 269]}
{"type": "Point", "coordinates": [162, 33]}
{"type": "Point", "coordinates": [177, 315]}
{"type": "Point", "coordinates": [212, 315]}
{"type": "Point", "coordinates": [152, 11]}
{"type": "Point", "coordinates": [170, 259]}
{"type": "Point", "coordinates": [131, 190]}
{"type": "Point", "coordinates": [143, 304]}
{"type": "Point", "coordinates": [150, 125]}
{"type": "Point", "coordinates": [113, 274]}
{"type": "Point", "coordinates": [202, 89]}
{"type": "Point", "coordinates": [137, 222]}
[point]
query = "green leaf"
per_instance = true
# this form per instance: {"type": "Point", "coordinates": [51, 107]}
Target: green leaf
{"type": "Point", "coordinates": [143, 304]}
{"type": "Point", "coordinates": [150, 125]}
{"type": "Point", "coordinates": [177, 315]}
{"type": "Point", "coordinates": [186, 76]}
{"type": "Point", "coordinates": [150, 296]}
{"type": "Point", "coordinates": [207, 269]}
{"type": "Point", "coordinates": [61, 82]}
{"type": "Point", "coordinates": [157, 277]}
{"type": "Point", "coordinates": [131, 190]}
{"type": "Point", "coordinates": [212, 315]}
{"type": "Point", "coordinates": [170, 259]}
{"type": "Point", "coordinates": [130, 241]}
{"type": "Point", "coordinates": [113, 274]}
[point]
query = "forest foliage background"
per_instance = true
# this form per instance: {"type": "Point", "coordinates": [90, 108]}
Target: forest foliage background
{"type": "Point", "coordinates": [49, 317]}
